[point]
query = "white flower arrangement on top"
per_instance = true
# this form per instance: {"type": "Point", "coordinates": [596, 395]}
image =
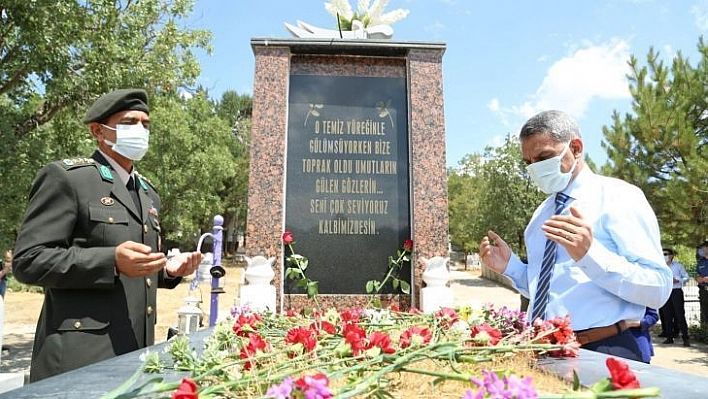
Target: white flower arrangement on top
{"type": "Point", "coordinates": [368, 13]}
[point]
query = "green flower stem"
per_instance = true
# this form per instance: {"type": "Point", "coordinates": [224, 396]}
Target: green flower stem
{"type": "Point", "coordinates": [622, 393]}
{"type": "Point", "coordinates": [302, 273]}
{"type": "Point", "coordinates": [447, 376]}
{"type": "Point", "coordinates": [395, 265]}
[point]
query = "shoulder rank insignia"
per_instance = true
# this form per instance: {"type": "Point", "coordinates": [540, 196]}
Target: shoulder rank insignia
{"type": "Point", "coordinates": [70, 163]}
{"type": "Point", "coordinates": [105, 172]}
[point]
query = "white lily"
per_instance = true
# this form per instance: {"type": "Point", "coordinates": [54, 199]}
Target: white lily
{"type": "Point", "coordinates": [371, 14]}
{"type": "Point", "coordinates": [341, 7]}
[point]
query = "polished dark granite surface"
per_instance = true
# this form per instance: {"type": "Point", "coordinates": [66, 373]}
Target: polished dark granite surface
{"type": "Point", "coordinates": [100, 378]}
{"type": "Point", "coordinates": [97, 379]}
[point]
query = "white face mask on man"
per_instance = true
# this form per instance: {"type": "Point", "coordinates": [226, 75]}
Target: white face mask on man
{"type": "Point", "coordinates": [131, 141]}
{"type": "Point", "coordinates": [547, 174]}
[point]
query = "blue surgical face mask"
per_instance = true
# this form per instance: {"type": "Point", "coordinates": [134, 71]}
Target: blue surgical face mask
{"type": "Point", "coordinates": [131, 141]}
{"type": "Point", "coordinates": [547, 174]}
{"type": "Point", "coordinates": [701, 252]}
{"type": "Point", "coordinates": [667, 258]}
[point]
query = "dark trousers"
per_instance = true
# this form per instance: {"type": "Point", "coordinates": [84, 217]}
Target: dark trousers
{"type": "Point", "coordinates": [675, 310]}
{"type": "Point", "coordinates": [703, 299]}
{"type": "Point", "coordinates": [665, 320]}
{"type": "Point", "coordinates": [621, 345]}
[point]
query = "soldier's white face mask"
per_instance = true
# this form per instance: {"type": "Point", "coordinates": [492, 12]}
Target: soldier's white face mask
{"type": "Point", "coordinates": [131, 141]}
{"type": "Point", "coordinates": [547, 173]}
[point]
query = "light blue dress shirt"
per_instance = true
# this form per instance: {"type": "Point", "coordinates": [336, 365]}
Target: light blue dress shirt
{"type": "Point", "coordinates": [679, 273]}
{"type": "Point", "coordinates": [622, 273]}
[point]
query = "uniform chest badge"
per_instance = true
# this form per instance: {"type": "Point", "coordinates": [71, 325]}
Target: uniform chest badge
{"type": "Point", "coordinates": [107, 201]}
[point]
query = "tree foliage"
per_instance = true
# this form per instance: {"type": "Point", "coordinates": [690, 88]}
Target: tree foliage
{"type": "Point", "coordinates": [56, 57]}
{"type": "Point", "coordinates": [662, 145]}
{"type": "Point", "coordinates": [190, 161]}
{"type": "Point", "coordinates": [492, 191]}
{"type": "Point", "coordinates": [236, 109]}
{"type": "Point", "coordinates": [59, 55]}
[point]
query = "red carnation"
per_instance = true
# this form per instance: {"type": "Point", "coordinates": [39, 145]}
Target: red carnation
{"type": "Point", "coordinates": [446, 317]}
{"type": "Point", "coordinates": [246, 324]}
{"type": "Point", "coordinates": [288, 237]}
{"type": "Point", "coordinates": [186, 390]}
{"type": "Point", "coordinates": [354, 336]}
{"type": "Point", "coordinates": [486, 335]}
{"type": "Point", "coordinates": [620, 374]}
{"type": "Point", "coordinates": [322, 325]}
{"type": "Point", "coordinates": [255, 345]}
{"type": "Point", "coordinates": [382, 341]}
{"type": "Point", "coordinates": [349, 316]}
{"type": "Point", "coordinates": [302, 335]}
{"type": "Point", "coordinates": [415, 336]}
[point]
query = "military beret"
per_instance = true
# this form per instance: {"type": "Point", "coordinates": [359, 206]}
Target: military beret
{"type": "Point", "coordinates": [116, 101]}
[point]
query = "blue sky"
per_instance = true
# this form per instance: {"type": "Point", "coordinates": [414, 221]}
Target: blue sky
{"type": "Point", "coordinates": [505, 60]}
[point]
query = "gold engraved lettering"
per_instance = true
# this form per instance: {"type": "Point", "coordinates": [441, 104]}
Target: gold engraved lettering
{"type": "Point", "coordinates": [310, 165]}
{"type": "Point", "coordinates": [375, 167]}
{"type": "Point", "coordinates": [367, 206]}
{"type": "Point", "coordinates": [347, 226]}
{"type": "Point", "coordinates": [359, 186]}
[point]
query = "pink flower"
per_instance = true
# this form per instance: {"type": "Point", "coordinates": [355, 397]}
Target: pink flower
{"type": "Point", "coordinates": [314, 386]}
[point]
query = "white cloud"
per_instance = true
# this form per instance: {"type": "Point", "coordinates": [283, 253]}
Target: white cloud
{"type": "Point", "coordinates": [590, 72]}
{"type": "Point", "coordinates": [700, 13]}
{"type": "Point", "coordinates": [436, 27]}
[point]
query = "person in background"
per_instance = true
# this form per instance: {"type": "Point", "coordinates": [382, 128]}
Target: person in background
{"type": "Point", "coordinates": [674, 307]}
{"type": "Point", "coordinates": [641, 331]}
{"type": "Point", "coordinates": [91, 238]}
{"type": "Point", "coordinates": [702, 279]}
{"type": "Point", "coordinates": [5, 269]}
{"type": "Point", "coordinates": [593, 245]}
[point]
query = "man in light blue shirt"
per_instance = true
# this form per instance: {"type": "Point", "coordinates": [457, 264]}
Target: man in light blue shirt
{"type": "Point", "coordinates": [674, 307]}
{"type": "Point", "coordinates": [608, 258]}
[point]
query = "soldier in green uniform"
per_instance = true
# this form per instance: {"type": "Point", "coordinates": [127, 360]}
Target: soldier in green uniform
{"type": "Point", "coordinates": [91, 238]}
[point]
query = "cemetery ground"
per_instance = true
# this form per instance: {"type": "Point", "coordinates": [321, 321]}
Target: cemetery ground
{"type": "Point", "coordinates": [22, 311]}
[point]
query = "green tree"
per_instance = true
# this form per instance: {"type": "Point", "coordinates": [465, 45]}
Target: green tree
{"type": "Point", "coordinates": [509, 197]}
{"type": "Point", "coordinates": [189, 161]}
{"type": "Point", "coordinates": [465, 186]}
{"type": "Point", "coordinates": [661, 145]}
{"type": "Point", "coordinates": [236, 109]}
{"type": "Point", "coordinates": [58, 56]}
{"type": "Point", "coordinates": [492, 191]}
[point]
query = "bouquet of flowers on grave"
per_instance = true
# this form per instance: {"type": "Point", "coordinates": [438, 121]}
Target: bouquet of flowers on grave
{"type": "Point", "coordinates": [464, 352]}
